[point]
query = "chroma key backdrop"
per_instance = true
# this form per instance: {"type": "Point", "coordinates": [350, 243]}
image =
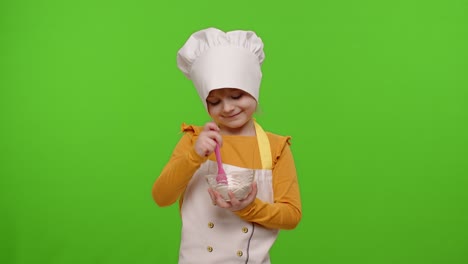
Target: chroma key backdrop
{"type": "Point", "coordinates": [373, 93]}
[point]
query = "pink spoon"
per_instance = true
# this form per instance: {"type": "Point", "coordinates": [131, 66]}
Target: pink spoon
{"type": "Point", "coordinates": [221, 178]}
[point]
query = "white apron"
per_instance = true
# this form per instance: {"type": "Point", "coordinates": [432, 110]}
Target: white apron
{"type": "Point", "coordinates": [211, 234]}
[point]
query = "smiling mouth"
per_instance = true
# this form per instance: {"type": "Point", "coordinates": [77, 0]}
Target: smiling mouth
{"type": "Point", "coordinates": [231, 116]}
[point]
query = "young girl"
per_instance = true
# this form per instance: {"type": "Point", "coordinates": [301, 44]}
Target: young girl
{"type": "Point", "coordinates": [226, 71]}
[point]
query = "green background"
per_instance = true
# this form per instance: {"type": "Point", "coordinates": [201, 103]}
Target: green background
{"type": "Point", "coordinates": [374, 94]}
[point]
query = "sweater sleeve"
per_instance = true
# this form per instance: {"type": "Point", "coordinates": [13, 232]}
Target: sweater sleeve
{"type": "Point", "coordinates": [177, 173]}
{"type": "Point", "coordinates": [286, 210]}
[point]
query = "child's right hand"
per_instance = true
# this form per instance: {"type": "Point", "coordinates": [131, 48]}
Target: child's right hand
{"type": "Point", "coordinates": [207, 140]}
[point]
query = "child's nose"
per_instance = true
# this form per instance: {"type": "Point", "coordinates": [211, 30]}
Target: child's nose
{"type": "Point", "coordinates": [228, 107]}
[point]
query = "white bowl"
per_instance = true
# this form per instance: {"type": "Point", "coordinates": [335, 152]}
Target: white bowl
{"type": "Point", "coordinates": [239, 183]}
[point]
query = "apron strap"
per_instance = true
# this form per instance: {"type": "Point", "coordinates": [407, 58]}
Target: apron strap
{"type": "Point", "coordinates": [263, 147]}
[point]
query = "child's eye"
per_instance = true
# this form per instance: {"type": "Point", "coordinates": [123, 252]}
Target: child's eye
{"type": "Point", "coordinates": [237, 96]}
{"type": "Point", "coordinates": [213, 103]}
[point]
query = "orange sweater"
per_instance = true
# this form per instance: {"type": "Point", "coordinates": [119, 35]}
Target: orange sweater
{"type": "Point", "coordinates": [241, 151]}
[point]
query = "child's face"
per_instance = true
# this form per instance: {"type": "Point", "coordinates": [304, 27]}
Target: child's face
{"type": "Point", "coordinates": [231, 108]}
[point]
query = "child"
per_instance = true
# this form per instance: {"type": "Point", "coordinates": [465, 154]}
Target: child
{"type": "Point", "coordinates": [225, 70]}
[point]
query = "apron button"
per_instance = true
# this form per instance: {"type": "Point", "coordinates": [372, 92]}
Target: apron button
{"type": "Point", "coordinates": [210, 249]}
{"type": "Point", "coordinates": [245, 229]}
{"type": "Point", "coordinates": [240, 253]}
{"type": "Point", "coordinates": [210, 225]}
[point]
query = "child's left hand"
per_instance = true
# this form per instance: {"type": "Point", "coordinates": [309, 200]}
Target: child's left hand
{"type": "Point", "coordinates": [233, 204]}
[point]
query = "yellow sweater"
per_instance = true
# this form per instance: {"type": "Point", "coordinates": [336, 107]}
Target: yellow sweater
{"type": "Point", "coordinates": [242, 151]}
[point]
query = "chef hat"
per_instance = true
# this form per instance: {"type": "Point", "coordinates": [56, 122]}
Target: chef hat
{"type": "Point", "coordinates": [214, 59]}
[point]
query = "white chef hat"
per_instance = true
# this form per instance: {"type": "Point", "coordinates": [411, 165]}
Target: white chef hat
{"type": "Point", "coordinates": [214, 59]}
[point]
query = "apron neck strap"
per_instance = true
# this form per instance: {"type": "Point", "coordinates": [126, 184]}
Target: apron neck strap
{"type": "Point", "coordinates": [263, 147]}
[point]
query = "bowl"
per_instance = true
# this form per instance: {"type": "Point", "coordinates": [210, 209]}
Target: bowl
{"type": "Point", "coordinates": [239, 183]}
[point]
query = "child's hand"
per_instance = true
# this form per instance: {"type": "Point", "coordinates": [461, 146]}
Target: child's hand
{"type": "Point", "coordinates": [207, 139]}
{"type": "Point", "coordinates": [233, 204]}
